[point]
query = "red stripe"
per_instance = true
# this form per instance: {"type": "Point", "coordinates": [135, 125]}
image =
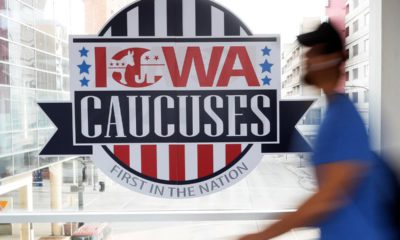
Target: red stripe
{"type": "Point", "coordinates": [122, 153]}
{"type": "Point", "coordinates": [101, 70]}
{"type": "Point", "coordinates": [149, 160]}
{"type": "Point", "coordinates": [177, 162]}
{"type": "Point", "coordinates": [205, 160]}
{"type": "Point", "coordinates": [232, 152]}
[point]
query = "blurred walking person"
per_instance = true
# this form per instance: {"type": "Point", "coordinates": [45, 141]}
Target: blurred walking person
{"type": "Point", "coordinates": [347, 204]}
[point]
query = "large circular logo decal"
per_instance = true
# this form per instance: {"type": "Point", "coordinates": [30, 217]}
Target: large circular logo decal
{"type": "Point", "coordinates": [174, 99]}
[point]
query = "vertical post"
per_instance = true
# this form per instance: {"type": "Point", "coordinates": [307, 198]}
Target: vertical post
{"type": "Point", "coordinates": [56, 179]}
{"type": "Point", "coordinates": [384, 80]}
{"type": "Point", "coordinates": [26, 203]}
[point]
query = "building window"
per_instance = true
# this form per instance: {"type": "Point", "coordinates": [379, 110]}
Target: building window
{"type": "Point", "coordinates": [347, 9]}
{"type": "Point", "coordinates": [355, 3]}
{"type": "Point", "coordinates": [366, 45]}
{"type": "Point", "coordinates": [347, 54]}
{"type": "Point", "coordinates": [313, 117]}
{"type": "Point", "coordinates": [347, 32]}
{"type": "Point", "coordinates": [366, 71]}
{"type": "Point", "coordinates": [366, 19]}
{"type": "Point", "coordinates": [347, 75]}
{"type": "Point", "coordinates": [355, 26]}
{"type": "Point", "coordinates": [355, 97]}
{"type": "Point", "coordinates": [355, 73]}
{"type": "Point", "coordinates": [355, 50]}
{"type": "Point", "coordinates": [366, 96]}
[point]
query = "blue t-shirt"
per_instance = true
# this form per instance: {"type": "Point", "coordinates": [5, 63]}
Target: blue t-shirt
{"type": "Point", "coordinates": [342, 137]}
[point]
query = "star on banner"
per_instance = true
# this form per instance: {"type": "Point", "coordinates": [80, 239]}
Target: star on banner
{"type": "Point", "coordinates": [84, 82]}
{"type": "Point", "coordinates": [266, 51]}
{"type": "Point", "coordinates": [84, 52]}
{"type": "Point", "coordinates": [84, 67]}
{"type": "Point", "coordinates": [266, 80]}
{"type": "Point", "coordinates": [266, 66]}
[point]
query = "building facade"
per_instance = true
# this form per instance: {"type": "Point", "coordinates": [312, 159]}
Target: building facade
{"type": "Point", "coordinates": [357, 48]}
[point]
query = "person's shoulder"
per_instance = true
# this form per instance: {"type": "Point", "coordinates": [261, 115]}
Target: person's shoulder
{"type": "Point", "coordinates": [343, 108]}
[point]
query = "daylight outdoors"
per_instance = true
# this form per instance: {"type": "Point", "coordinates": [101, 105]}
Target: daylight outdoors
{"type": "Point", "coordinates": [35, 55]}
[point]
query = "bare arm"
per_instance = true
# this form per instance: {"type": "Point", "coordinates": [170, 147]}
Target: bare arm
{"type": "Point", "coordinates": [336, 180]}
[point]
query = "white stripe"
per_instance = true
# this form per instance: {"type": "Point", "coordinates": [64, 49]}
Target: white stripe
{"type": "Point", "coordinates": [189, 18]}
{"type": "Point", "coordinates": [191, 164]}
{"type": "Point", "coordinates": [160, 13]}
{"type": "Point", "coordinates": [133, 22]}
{"type": "Point", "coordinates": [163, 161]}
{"type": "Point", "coordinates": [217, 22]}
{"type": "Point", "coordinates": [242, 32]}
{"type": "Point", "coordinates": [219, 156]}
{"type": "Point", "coordinates": [135, 157]}
{"type": "Point", "coordinates": [108, 33]}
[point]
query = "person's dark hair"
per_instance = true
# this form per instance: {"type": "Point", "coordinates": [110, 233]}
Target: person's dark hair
{"type": "Point", "coordinates": [327, 35]}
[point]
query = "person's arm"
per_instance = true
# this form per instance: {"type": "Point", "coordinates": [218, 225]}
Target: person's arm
{"type": "Point", "coordinates": [336, 181]}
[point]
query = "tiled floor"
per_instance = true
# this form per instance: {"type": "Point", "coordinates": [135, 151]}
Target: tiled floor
{"type": "Point", "coordinates": [277, 183]}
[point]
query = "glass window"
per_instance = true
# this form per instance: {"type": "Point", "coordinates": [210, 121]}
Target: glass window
{"type": "Point", "coordinates": [4, 50]}
{"type": "Point", "coordinates": [3, 4]}
{"type": "Point", "coordinates": [44, 5]}
{"type": "Point", "coordinates": [44, 136]}
{"type": "Point", "coordinates": [5, 143]}
{"type": "Point", "coordinates": [21, 34]}
{"type": "Point", "coordinates": [5, 110]}
{"type": "Point", "coordinates": [24, 140]}
{"type": "Point", "coordinates": [6, 165]}
{"type": "Point", "coordinates": [366, 45]}
{"type": "Point", "coordinates": [355, 50]}
{"type": "Point", "coordinates": [355, 73]}
{"type": "Point", "coordinates": [355, 26]}
{"type": "Point", "coordinates": [23, 109]}
{"type": "Point", "coordinates": [366, 20]}
{"type": "Point", "coordinates": [21, 55]}
{"type": "Point", "coordinates": [47, 81]}
{"type": "Point", "coordinates": [3, 26]}
{"type": "Point", "coordinates": [355, 3]}
{"type": "Point", "coordinates": [22, 77]}
{"type": "Point", "coordinates": [366, 96]}
{"type": "Point", "coordinates": [65, 66]}
{"type": "Point", "coordinates": [347, 32]}
{"type": "Point", "coordinates": [66, 85]}
{"type": "Point", "coordinates": [21, 12]}
{"type": "Point", "coordinates": [44, 16]}
{"type": "Point", "coordinates": [347, 75]}
{"type": "Point", "coordinates": [45, 42]}
{"type": "Point", "coordinates": [313, 117]}
{"type": "Point", "coordinates": [4, 74]}
{"type": "Point", "coordinates": [355, 97]}
{"type": "Point", "coordinates": [366, 71]}
{"type": "Point", "coordinates": [43, 161]}
{"type": "Point", "coordinates": [21, 162]}
{"type": "Point", "coordinates": [29, 2]}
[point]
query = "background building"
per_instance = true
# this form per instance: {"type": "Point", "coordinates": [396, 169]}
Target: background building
{"type": "Point", "coordinates": [33, 68]}
{"type": "Point", "coordinates": [357, 48]}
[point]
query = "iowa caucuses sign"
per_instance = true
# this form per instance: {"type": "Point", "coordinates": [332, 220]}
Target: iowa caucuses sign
{"type": "Point", "coordinates": [171, 106]}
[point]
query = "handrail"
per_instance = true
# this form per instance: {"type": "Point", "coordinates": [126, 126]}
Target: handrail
{"type": "Point", "coordinates": [138, 216]}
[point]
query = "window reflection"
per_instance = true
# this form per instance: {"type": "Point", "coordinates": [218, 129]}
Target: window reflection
{"type": "Point", "coordinates": [23, 109]}
{"type": "Point", "coordinates": [6, 166]}
{"type": "Point", "coordinates": [4, 74]}
{"type": "Point", "coordinates": [24, 140]}
{"type": "Point", "coordinates": [5, 110]}
{"type": "Point", "coordinates": [22, 77]}
{"type": "Point", "coordinates": [21, 12]}
{"type": "Point", "coordinates": [20, 33]}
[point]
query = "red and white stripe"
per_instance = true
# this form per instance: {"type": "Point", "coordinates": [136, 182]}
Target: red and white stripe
{"type": "Point", "coordinates": [177, 162]}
